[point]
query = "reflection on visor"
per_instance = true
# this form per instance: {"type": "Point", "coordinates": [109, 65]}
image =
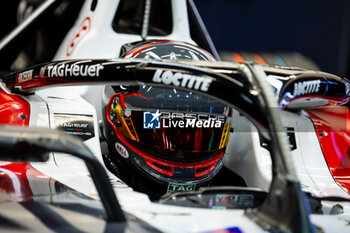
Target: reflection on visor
{"type": "Point", "coordinates": [148, 97]}
{"type": "Point", "coordinates": [185, 140]}
{"type": "Point", "coordinates": [181, 137]}
{"type": "Point", "coordinates": [172, 134]}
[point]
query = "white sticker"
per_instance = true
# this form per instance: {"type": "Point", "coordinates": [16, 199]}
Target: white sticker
{"type": "Point", "coordinates": [173, 187]}
{"type": "Point", "coordinates": [122, 150]}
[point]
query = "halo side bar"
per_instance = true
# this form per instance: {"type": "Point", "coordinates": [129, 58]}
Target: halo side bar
{"type": "Point", "coordinates": [275, 121]}
{"type": "Point", "coordinates": [226, 81]}
{"type": "Point", "coordinates": [285, 207]}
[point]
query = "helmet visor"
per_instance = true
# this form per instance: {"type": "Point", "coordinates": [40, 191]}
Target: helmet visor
{"type": "Point", "coordinates": [172, 124]}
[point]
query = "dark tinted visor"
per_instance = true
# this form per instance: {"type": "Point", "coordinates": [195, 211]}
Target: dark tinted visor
{"type": "Point", "coordinates": [173, 99]}
{"type": "Point", "coordinates": [171, 123]}
{"type": "Point", "coordinates": [179, 135]}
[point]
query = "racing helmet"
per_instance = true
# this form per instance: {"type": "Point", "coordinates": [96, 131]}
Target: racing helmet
{"type": "Point", "coordinates": [165, 139]}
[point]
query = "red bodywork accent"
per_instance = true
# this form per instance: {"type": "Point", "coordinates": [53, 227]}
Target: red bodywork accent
{"type": "Point", "coordinates": [333, 131]}
{"type": "Point", "coordinates": [14, 181]}
{"type": "Point", "coordinates": [146, 46]}
{"type": "Point", "coordinates": [14, 110]}
{"type": "Point", "coordinates": [78, 36]}
{"type": "Point", "coordinates": [151, 161]}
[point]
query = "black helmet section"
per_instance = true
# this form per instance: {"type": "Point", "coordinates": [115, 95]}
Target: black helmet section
{"type": "Point", "coordinates": [189, 122]}
{"type": "Point", "coordinates": [164, 139]}
{"type": "Point", "coordinates": [165, 49]}
{"type": "Point", "coordinates": [173, 143]}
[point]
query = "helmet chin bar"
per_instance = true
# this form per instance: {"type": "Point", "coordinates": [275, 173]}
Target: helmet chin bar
{"type": "Point", "coordinates": [238, 85]}
{"type": "Point", "coordinates": [164, 179]}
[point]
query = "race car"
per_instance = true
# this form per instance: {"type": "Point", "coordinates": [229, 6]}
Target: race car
{"type": "Point", "coordinates": [235, 198]}
{"type": "Point", "coordinates": [262, 190]}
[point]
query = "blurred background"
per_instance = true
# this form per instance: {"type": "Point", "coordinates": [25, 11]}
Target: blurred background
{"type": "Point", "coordinates": [317, 29]}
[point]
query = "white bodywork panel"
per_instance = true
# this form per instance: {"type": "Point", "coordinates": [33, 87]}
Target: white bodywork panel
{"type": "Point", "coordinates": [102, 42]}
{"type": "Point", "coordinates": [244, 156]}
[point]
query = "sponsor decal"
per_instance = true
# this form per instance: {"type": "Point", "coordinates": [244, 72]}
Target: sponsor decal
{"type": "Point", "coordinates": [74, 125]}
{"type": "Point", "coordinates": [173, 187]}
{"type": "Point", "coordinates": [126, 112]}
{"type": "Point", "coordinates": [122, 150]}
{"type": "Point", "coordinates": [74, 70]}
{"type": "Point", "coordinates": [182, 80]}
{"type": "Point", "coordinates": [154, 120]}
{"type": "Point", "coordinates": [306, 87]}
{"type": "Point", "coordinates": [78, 36]}
{"type": "Point", "coordinates": [42, 71]}
{"type": "Point", "coordinates": [151, 120]}
{"type": "Point", "coordinates": [81, 126]}
{"type": "Point", "coordinates": [25, 76]}
{"type": "Point", "coordinates": [290, 136]}
{"type": "Point", "coordinates": [224, 201]}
